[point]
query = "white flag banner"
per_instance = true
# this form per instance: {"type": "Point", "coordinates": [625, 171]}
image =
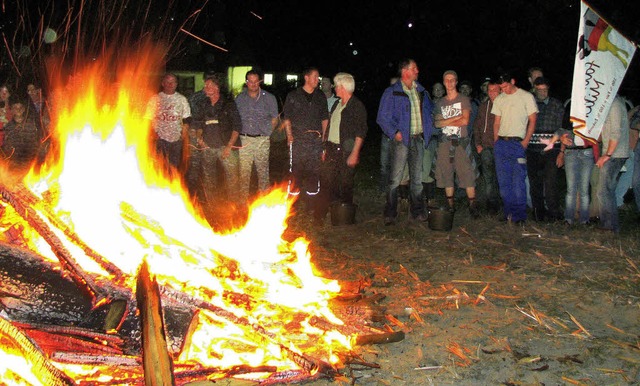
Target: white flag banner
{"type": "Point", "coordinates": [602, 58]}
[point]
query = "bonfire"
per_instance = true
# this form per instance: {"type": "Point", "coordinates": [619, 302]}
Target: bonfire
{"type": "Point", "coordinates": [171, 299]}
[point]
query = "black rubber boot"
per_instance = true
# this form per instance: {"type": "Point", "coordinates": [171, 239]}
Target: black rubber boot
{"type": "Point", "coordinates": [451, 202]}
{"type": "Point", "coordinates": [429, 189]}
{"type": "Point", "coordinates": [473, 208]}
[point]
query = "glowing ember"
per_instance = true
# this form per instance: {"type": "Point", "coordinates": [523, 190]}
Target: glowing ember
{"type": "Point", "coordinates": [106, 187]}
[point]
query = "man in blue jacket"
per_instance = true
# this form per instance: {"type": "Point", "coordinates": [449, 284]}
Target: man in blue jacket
{"type": "Point", "coordinates": [405, 117]}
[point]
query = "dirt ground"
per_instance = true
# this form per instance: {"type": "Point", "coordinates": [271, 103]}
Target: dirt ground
{"type": "Point", "coordinates": [489, 302]}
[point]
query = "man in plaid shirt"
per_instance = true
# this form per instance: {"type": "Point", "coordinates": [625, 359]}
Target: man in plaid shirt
{"type": "Point", "coordinates": [543, 167]}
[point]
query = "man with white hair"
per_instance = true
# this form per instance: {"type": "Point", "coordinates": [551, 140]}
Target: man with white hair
{"type": "Point", "coordinates": [342, 143]}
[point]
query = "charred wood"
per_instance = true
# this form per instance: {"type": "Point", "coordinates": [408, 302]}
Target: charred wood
{"type": "Point", "coordinates": [23, 207]}
{"type": "Point", "coordinates": [290, 376]}
{"type": "Point", "coordinates": [114, 360]}
{"type": "Point", "coordinates": [33, 290]}
{"type": "Point", "coordinates": [188, 376]}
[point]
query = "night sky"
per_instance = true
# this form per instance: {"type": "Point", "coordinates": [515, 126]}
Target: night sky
{"type": "Point", "coordinates": [473, 37]}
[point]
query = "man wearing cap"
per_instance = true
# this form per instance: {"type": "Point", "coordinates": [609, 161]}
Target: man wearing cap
{"type": "Point", "coordinates": [515, 113]}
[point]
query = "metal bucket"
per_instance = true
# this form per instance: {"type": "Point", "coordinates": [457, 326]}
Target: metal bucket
{"type": "Point", "coordinates": [343, 213]}
{"type": "Point", "coordinates": [440, 218]}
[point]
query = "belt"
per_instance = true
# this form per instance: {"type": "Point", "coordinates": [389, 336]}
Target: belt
{"type": "Point", "coordinates": [334, 146]}
{"type": "Point", "coordinates": [510, 138]}
{"type": "Point", "coordinates": [577, 148]}
{"type": "Point", "coordinates": [252, 135]}
{"type": "Point", "coordinates": [314, 132]}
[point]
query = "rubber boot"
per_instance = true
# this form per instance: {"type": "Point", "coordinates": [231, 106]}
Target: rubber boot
{"type": "Point", "coordinates": [403, 192]}
{"type": "Point", "coordinates": [429, 189]}
{"type": "Point", "coordinates": [451, 200]}
{"type": "Point", "coordinates": [473, 208]}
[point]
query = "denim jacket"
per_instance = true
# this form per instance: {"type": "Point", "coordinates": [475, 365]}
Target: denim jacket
{"type": "Point", "coordinates": [394, 113]}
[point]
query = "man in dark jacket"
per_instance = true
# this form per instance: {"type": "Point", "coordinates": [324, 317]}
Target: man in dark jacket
{"type": "Point", "coordinates": [306, 118]}
{"type": "Point", "coordinates": [483, 137]}
{"type": "Point", "coordinates": [218, 128]}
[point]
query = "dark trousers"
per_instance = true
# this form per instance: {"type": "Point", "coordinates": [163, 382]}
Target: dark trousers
{"type": "Point", "coordinates": [171, 151]}
{"type": "Point", "coordinates": [336, 178]}
{"type": "Point", "coordinates": [488, 177]}
{"type": "Point", "coordinates": [543, 182]}
{"type": "Point", "coordinates": [306, 152]}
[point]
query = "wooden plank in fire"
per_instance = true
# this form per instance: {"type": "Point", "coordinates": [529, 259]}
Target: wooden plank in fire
{"type": "Point", "coordinates": [158, 366]}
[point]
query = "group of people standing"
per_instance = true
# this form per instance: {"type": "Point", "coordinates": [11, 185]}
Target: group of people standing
{"type": "Point", "coordinates": [512, 134]}
{"type": "Point", "coordinates": [211, 132]}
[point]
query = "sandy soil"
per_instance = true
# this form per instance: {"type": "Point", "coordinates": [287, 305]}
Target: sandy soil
{"type": "Point", "coordinates": [489, 302]}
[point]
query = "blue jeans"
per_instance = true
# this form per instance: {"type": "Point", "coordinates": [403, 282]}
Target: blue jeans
{"type": "Point", "coordinates": [578, 164]}
{"type": "Point", "coordinates": [428, 160]}
{"type": "Point", "coordinates": [385, 162]}
{"type": "Point", "coordinates": [607, 193]}
{"type": "Point", "coordinates": [625, 180]}
{"type": "Point", "coordinates": [635, 181]}
{"type": "Point", "coordinates": [511, 169]}
{"type": "Point", "coordinates": [411, 156]}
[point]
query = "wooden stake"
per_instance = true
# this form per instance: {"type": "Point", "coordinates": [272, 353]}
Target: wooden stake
{"type": "Point", "coordinates": [157, 364]}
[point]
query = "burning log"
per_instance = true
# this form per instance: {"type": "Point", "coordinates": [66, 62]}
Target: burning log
{"type": "Point", "coordinates": [60, 338]}
{"type": "Point", "coordinates": [158, 367]}
{"type": "Point", "coordinates": [310, 365]}
{"type": "Point", "coordinates": [187, 376]}
{"type": "Point", "coordinates": [22, 206]}
{"type": "Point", "coordinates": [33, 291]}
{"type": "Point", "coordinates": [38, 216]}
{"type": "Point", "coordinates": [31, 199]}
{"type": "Point", "coordinates": [14, 342]}
{"type": "Point", "coordinates": [51, 342]}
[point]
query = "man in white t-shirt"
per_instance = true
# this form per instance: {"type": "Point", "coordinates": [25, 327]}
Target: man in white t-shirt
{"type": "Point", "coordinates": [170, 121]}
{"type": "Point", "coordinates": [515, 113]}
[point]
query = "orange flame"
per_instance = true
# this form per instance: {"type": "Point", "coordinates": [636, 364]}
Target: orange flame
{"type": "Point", "coordinates": [105, 185]}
